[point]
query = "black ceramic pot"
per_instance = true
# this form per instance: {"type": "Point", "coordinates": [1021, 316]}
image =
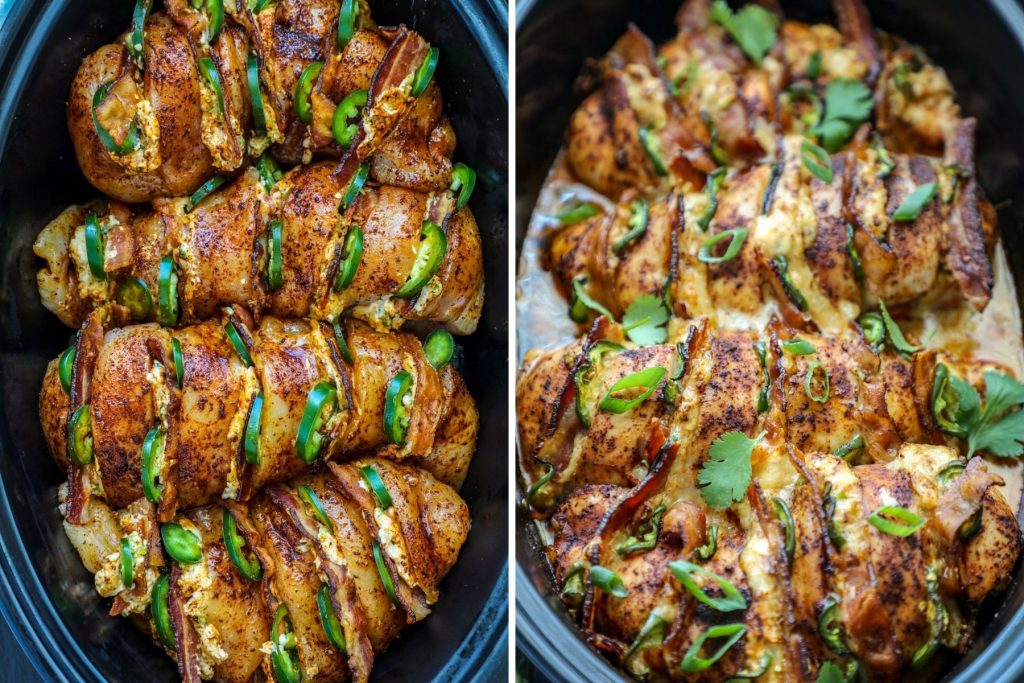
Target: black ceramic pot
{"type": "Point", "coordinates": [45, 592]}
{"type": "Point", "coordinates": [980, 44]}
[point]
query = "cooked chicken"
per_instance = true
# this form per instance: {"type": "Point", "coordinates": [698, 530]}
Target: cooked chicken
{"type": "Point", "coordinates": [316, 576]}
{"type": "Point", "coordinates": [253, 405]}
{"type": "Point", "coordinates": [157, 125]}
{"type": "Point", "coordinates": [225, 252]}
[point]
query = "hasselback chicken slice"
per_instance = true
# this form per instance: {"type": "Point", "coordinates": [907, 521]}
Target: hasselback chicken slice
{"type": "Point", "coordinates": [218, 410]}
{"type": "Point", "coordinates": [778, 238]}
{"type": "Point", "coordinates": [307, 580]}
{"type": "Point", "coordinates": [308, 242]}
{"type": "Point", "coordinates": [154, 115]}
{"type": "Point", "coordinates": [707, 98]}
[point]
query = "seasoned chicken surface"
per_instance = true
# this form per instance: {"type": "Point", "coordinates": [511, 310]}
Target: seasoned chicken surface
{"type": "Point", "coordinates": [188, 93]}
{"type": "Point", "coordinates": [313, 577]}
{"type": "Point", "coordinates": [769, 406]}
{"type": "Point", "coordinates": [288, 245]}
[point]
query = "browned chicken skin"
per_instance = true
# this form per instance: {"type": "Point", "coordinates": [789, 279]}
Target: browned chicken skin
{"type": "Point", "coordinates": [220, 248]}
{"type": "Point", "coordinates": [184, 128]}
{"type": "Point", "coordinates": [222, 619]}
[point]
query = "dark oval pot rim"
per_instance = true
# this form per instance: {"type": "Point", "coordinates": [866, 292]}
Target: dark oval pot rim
{"type": "Point", "coordinates": [24, 601]}
{"type": "Point", "coordinates": [551, 641]}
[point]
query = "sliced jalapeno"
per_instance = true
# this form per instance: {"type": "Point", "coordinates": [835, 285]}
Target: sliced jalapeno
{"type": "Point", "coordinates": [385, 574]}
{"type": "Point", "coordinates": [638, 219]}
{"type": "Point", "coordinates": [971, 527]}
{"type": "Point", "coordinates": [304, 89]}
{"type": "Point", "coordinates": [645, 536]}
{"type": "Point", "coordinates": [132, 139]}
{"type": "Point", "coordinates": [851, 251]}
{"type": "Point", "coordinates": [783, 514]}
{"type": "Point", "coordinates": [780, 264]}
{"type": "Point", "coordinates": [347, 18]}
{"type": "Point", "coordinates": [236, 341]}
{"type": "Point", "coordinates": [732, 599]}
{"type": "Point", "coordinates": [136, 41]}
{"type": "Point", "coordinates": [312, 501]}
{"type": "Point", "coordinates": [397, 404]}
{"type": "Point", "coordinates": [940, 618]}
{"type": "Point", "coordinates": [573, 588]}
{"type": "Point", "coordinates": [828, 505]}
{"type": "Point", "coordinates": [283, 658]}
{"type": "Point", "coordinates": [94, 246]}
{"type": "Point", "coordinates": [945, 402]}
{"type": "Point", "coordinates": [541, 482]}
{"type": "Point", "coordinates": [180, 543]}
{"type": "Point", "coordinates": [463, 182]}
{"type": "Point", "coordinates": [66, 367]}
{"type": "Point", "coordinates": [258, 6]}
{"type": "Point", "coordinates": [212, 77]}
{"type": "Point", "coordinates": [252, 430]}
{"type": "Point", "coordinates": [850, 448]}
{"type": "Point", "coordinates": [127, 563]}
{"type": "Point", "coordinates": [204, 191]}
{"type": "Point", "coordinates": [651, 145]}
{"type": "Point", "coordinates": [343, 349]}
{"type": "Point", "coordinates": [736, 237]}
{"type": "Point", "coordinates": [711, 188]}
{"type": "Point", "coordinates": [275, 267]}
{"type": "Point", "coordinates": [351, 255]}
{"type": "Point", "coordinates": [269, 172]}
{"type": "Point", "coordinates": [651, 634]}
{"type": "Point", "coordinates": [80, 447]}
{"type": "Point", "coordinates": [329, 619]}
{"type": "Point", "coordinates": [425, 72]}
{"type": "Point", "coordinates": [584, 378]}
{"type": "Point", "coordinates": [249, 565]}
{"type": "Point", "coordinates": [439, 347]}
{"type": "Point", "coordinates": [830, 629]}
{"type": "Point", "coordinates": [161, 616]}
{"type": "Point", "coordinates": [355, 186]}
{"type": "Point", "coordinates": [179, 362]}
{"type": "Point", "coordinates": [950, 471]}
{"type": "Point", "coordinates": [320, 406]}
{"type": "Point", "coordinates": [133, 293]}
{"type": "Point", "coordinates": [708, 550]}
{"type": "Point", "coordinates": [376, 484]}
{"type": "Point", "coordinates": [215, 17]}
{"type": "Point", "coordinates": [433, 245]}
{"type": "Point", "coordinates": [259, 116]}
{"type": "Point", "coordinates": [346, 116]}
{"type": "Point", "coordinates": [761, 349]}
{"type": "Point", "coordinates": [152, 450]}
{"type": "Point", "coordinates": [873, 328]}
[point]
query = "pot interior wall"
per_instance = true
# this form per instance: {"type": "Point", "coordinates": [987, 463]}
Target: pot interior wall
{"type": "Point", "coordinates": [980, 46]}
{"type": "Point", "coordinates": [44, 589]}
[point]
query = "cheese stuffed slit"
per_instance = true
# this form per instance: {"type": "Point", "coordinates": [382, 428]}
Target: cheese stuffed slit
{"type": "Point", "coordinates": [669, 115]}
{"type": "Point", "coordinates": [181, 97]}
{"type": "Point", "coordinates": [319, 609]}
{"type": "Point", "coordinates": [253, 405]}
{"type": "Point", "coordinates": [311, 241]}
{"type": "Point", "coordinates": [777, 237]}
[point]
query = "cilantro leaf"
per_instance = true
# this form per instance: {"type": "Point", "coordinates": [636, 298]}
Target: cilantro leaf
{"type": "Point", "coordinates": [644, 321]}
{"type": "Point", "coordinates": [848, 104]}
{"type": "Point", "coordinates": [726, 473]}
{"type": "Point", "coordinates": [753, 28]}
{"type": "Point", "coordinates": [991, 429]}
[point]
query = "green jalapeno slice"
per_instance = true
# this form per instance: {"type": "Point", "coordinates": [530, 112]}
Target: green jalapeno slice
{"type": "Point", "coordinates": [347, 18]}
{"type": "Point", "coordinates": [780, 264]}
{"type": "Point", "coordinates": [269, 172]}
{"type": "Point", "coordinates": [275, 267]}
{"type": "Point", "coordinates": [136, 41]}
{"type": "Point", "coordinates": [249, 565]}
{"type": "Point", "coordinates": [385, 574]}
{"type": "Point", "coordinates": [645, 536]}
{"type": "Point", "coordinates": [303, 90]}
{"type": "Point", "coordinates": [212, 77]}
{"type": "Point", "coordinates": [215, 17]}
{"type": "Point", "coordinates": [439, 347]}
{"type": "Point", "coordinates": [343, 349]}
{"type": "Point", "coordinates": [710, 547]}
{"type": "Point", "coordinates": [425, 72]}
{"type": "Point", "coordinates": [180, 543]}
{"type": "Point", "coordinates": [649, 141]}
{"type": "Point", "coordinates": [161, 615]}
{"type": "Point", "coordinates": [252, 430]}
{"type": "Point", "coordinates": [329, 619]}
{"type": "Point", "coordinates": [830, 629]}
{"type": "Point", "coordinates": [132, 139]}
{"type": "Point", "coordinates": [397, 404]}
{"type": "Point", "coordinates": [127, 563]}
{"type": "Point", "coordinates": [463, 182]}
{"type": "Point", "coordinates": [346, 115]}
{"type": "Point", "coordinates": [259, 116]}
{"type": "Point", "coordinates": [783, 514]}
{"type": "Point", "coordinates": [133, 293]}
{"type": "Point", "coordinates": [312, 501]}
{"type": "Point", "coordinates": [66, 368]}
{"type": "Point", "coordinates": [638, 219]}
{"type": "Point", "coordinates": [236, 341]}
{"type": "Point", "coordinates": [94, 247]}
{"type": "Point", "coordinates": [179, 362]}
{"type": "Point", "coordinates": [351, 255]}
{"type": "Point", "coordinates": [376, 484]}
{"type": "Point", "coordinates": [433, 245]}
{"type": "Point", "coordinates": [355, 186]}
{"type": "Point", "coordinates": [80, 446]}
{"type": "Point", "coordinates": [204, 191]}
{"type": "Point", "coordinates": [320, 406]}
{"type": "Point", "coordinates": [283, 658]}
{"type": "Point", "coordinates": [152, 450]}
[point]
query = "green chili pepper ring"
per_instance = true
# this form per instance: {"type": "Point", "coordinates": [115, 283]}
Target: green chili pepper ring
{"type": "Point", "coordinates": [252, 430]}
{"type": "Point", "coordinates": [152, 446]}
{"type": "Point", "coordinates": [425, 72]}
{"type": "Point", "coordinates": [433, 245]}
{"type": "Point", "coordinates": [351, 256]}
{"type": "Point", "coordinates": [180, 543]}
{"type": "Point", "coordinates": [133, 293]}
{"type": "Point", "coordinates": [463, 182]}
{"type": "Point", "coordinates": [248, 565]}
{"type": "Point", "coordinates": [385, 574]}
{"type": "Point", "coordinates": [80, 447]}
{"type": "Point", "coordinates": [275, 265]}
{"type": "Point", "coordinates": [167, 292]}
{"type": "Point", "coordinates": [309, 497]}
{"type": "Point", "coordinates": [329, 619]}
{"type": "Point", "coordinates": [283, 658]}
{"type": "Point", "coordinates": [376, 484]}
{"type": "Point", "coordinates": [66, 368]}
{"type": "Point", "coordinates": [127, 564]}
{"type": "Point", "coordinates": [212, 77]}
{"type": "Point", "coordinates": [355, 186]}
{"type": "Point", "coordinates": [132, 139]}
{"type": "Point", "coordinates": [94, 247]}
{"type": "Point", "coordinates": [259, 117]}
{"type": "Point", "coordinates": [303, 90]}
{"type": "Point", "coordinates": [161, 616]}
{"type": "Point", "coordinates": [439, 347]}
{"type": "Point", "coordinates": [347, 18]}
{"type": "Point", "coordinates": [320, 406]}
{"type": "Point", "coordinates": [344, 123]}
{"type": "Point", "coordinates": [397, 403]}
